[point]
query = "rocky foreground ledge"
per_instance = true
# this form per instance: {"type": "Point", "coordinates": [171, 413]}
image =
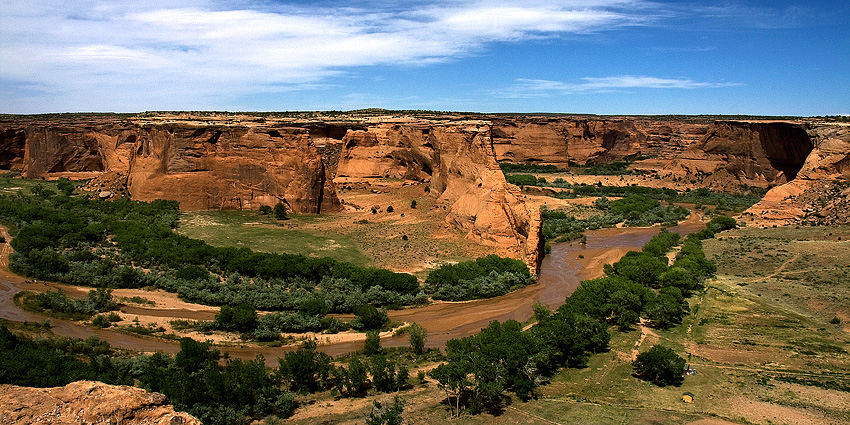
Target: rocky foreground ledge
{"type": "Point", "coordinates": [87, 402]}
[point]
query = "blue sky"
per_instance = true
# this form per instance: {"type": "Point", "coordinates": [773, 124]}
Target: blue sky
{"type": "Point", "coordinates": [582, 56]}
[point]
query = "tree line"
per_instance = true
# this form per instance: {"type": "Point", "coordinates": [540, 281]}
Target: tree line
{"type": "Point", "coordinates": [503, 357]}
{"type": "Point", "coordinates": [108, 244]}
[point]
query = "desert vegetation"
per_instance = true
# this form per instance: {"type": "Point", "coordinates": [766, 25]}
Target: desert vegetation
{"type": "Point", "coordinates": [504, 357]}
{"type": "Point", "coordinates": [633, 211]}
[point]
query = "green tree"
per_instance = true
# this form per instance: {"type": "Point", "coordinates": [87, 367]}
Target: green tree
{"type": "Point", "coordinates": [660, 365]}
{"type": "Point", "coordinates": [640, 267]}
{"type": "Point", "coordinates": [195, 356]}
{"type": "Point", "coordinates": [678, 277]}
{"type": "Point", "coordinates": [356, 378]}
{"type": "Point", "coordinates": [372, 345]}
{"type": "Point", "coordinates": [280, 211]}
{"type": "Point", "coordinates": [369, 317]}
{"type": "Point", "coordinates": [265, 209]}
{"type": "Point", "coordinates": [314, 307]}
{"type": "Point", "coordinates": [240, 318]}
{"type": "Point", "coordinates": [452, 377]}
{"type": "Point", "coordinates": [383, 373]}
{"type": "Point", "coordinates": [417, 335]}
{"type": "Point", "coordinates": [305, 369]}
{"type": "Point", "coordinates": [65, 186]}
{"type": "Point", "coordinates": [668, 308]}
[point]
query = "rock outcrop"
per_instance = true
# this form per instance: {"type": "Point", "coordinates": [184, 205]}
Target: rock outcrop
{"type": "Point", "coordinates": [458, 161]}
{"type": "Point", "coordinates": [203, 166]}
{"type": "Point", "coordinates": [87, 402]}
{"type": "Point", "coordinates": [763, 154]}
{"type": "Point", "coordinates": [229, 167]}
{"type": "Point", "coordinates": [562, 141]}
{"type": "Point", "coordinates": [820, 193]}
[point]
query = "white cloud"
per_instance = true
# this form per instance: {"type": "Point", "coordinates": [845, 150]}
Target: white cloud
{"type": "Point", "coordinates": [528, 88]}
{"type": "Point", "coordinates": [90, 49]}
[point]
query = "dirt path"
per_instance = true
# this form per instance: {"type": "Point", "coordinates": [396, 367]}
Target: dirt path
{"type": "Point", "coordinates": [644, 331]}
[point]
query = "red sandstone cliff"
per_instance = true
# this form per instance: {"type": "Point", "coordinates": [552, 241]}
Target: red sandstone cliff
{"type": "Point", "coordinates": [201, 165]}
{"type": "Point", "coordinates": [761, 154]}
{"type": "Point", "coordinates": [86, 402]}
{"type": "Point", "coordinates": [820, 193]}
{"type": "Point", "coordinates": [561, 141]}
{"type": "Point", "coordinates": [458, 161]}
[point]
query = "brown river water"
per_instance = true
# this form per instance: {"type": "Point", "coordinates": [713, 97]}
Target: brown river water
{"type": "Point", "coordinates": [561, 272]}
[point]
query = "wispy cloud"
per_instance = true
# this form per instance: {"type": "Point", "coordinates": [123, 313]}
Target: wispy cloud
{"type": "Point", "coordinates": [201, 48]}
{"type": "Point", "coordinates": [529, 88]}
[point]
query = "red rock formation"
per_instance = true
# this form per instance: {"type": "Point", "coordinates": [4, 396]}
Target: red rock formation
{"type": "Point", "coordinates": [458, 161]}
{"type": "Point", "coordinates": [820, 193]}
{"type": "Point", "coordinates": [230, 167]}
{"type": "Point", "coordinates": [87, 402]}
{"type": "Point", "coordinates": [201, 165]}
{"type": "Point", "coordinates": [563, 140]}
{"type": "Point", "coordinates": [758, 153]}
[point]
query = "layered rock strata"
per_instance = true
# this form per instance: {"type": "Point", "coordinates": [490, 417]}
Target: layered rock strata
{"type": "Point", "coordinates": [202, 166]}
{"type": "Point", "coordinates": [563, 141]}
{"type": "Point", "coordinates": [820, 191]}
{"type": "Point", "coordinates": [761, 154]}
{"type": "Point", "coordinates": [458, 162]}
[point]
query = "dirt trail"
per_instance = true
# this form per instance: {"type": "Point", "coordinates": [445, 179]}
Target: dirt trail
{"type": "Point", "coordinates": [561, 272]}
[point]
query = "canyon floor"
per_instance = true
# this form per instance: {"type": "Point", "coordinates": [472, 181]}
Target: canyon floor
{"type": "Point", "coordinates": [759, 336]}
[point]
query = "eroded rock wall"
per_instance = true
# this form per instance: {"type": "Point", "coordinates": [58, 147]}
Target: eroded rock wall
{"type": "Point", "coordinates": [202, 166]}
{"type": "Point", "coordinates": [459, 162]}
{"type": "Point", "coordinates": [230, 167]}
{"type": "Point", "coordinates": [563, 141]}
{"type": "Point", "coordinates": [820, 191]}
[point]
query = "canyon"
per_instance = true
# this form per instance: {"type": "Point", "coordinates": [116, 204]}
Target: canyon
{"type": "Point", "coordinates": [212, 161]}
{"type": "Point", "coordinates": [226, 162]}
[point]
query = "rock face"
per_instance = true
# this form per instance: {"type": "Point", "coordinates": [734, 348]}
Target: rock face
{"type": "Point", "coordinates": [458, 161]}
{"type": "Point", "coordinates": [86, 402]}
{"type": "Point", "coordinates": [565, 141]}
{"type": "Point", "coordinates": [201, 165]}
{"type": "Point", "coordinates": [820, 193]}
{"type": "Point", "coordinates": [229, 167]}
{"type": "Point", "coordinates": [757, 153]}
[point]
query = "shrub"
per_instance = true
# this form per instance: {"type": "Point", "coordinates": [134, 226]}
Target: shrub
{"type": "Point", "coordinates": [485, 277]}
{"type": "Point", "coordinates": [241, 318]}
{"type": "Point", "coordinates": [280, 211]}
{"type": "Point", "coordinates": [660, 365]}
{"type": "Point", "coordinates": [417, 335]}
{"type": "Point", "coordinates": [101, 321]}
{"type": "Point", "coordinates": [368, 317]}
{"type": "Point", "coordinates": [372, 345]}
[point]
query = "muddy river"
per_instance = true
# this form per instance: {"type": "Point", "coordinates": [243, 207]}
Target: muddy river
{"type": "Point", "coordinates": [561, 272]}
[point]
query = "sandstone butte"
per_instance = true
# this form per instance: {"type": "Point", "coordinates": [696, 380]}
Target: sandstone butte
{"type": "Point", "coordinates": [87, 402]}
{"type": "Point", "coordinates": [226, 161]}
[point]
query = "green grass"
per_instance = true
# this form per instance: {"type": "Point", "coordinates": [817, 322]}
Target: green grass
{"type": "Point", "coordinates": [263, 233]}
{"type": "Point", "coordinates": [766, 341]}
{"type": "Point", "coordinates": [9, 183]}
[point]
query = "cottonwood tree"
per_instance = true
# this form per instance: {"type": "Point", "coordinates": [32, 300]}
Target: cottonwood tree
{"type": "Point", "coordinates": [660, 365]}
